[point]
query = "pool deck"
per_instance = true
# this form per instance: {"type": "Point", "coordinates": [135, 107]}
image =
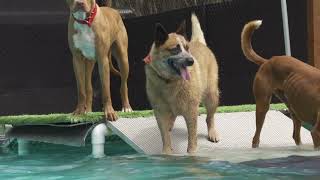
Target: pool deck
{"type": "Point", "coordinates": [235, 129]}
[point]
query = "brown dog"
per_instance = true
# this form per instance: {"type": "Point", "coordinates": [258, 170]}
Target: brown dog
{"type": "Point", "coordinates": [94, 33]}
{"type": "Point", "coordinates": [179, 75]}
{"type": "Point", "coordinates": [295, 83]}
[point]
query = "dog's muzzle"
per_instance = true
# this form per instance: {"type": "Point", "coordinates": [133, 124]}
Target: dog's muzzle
{"type": "Point", "coordinates": [179, 64]}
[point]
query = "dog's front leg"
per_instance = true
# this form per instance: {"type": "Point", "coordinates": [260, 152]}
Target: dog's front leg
{"type": "Point", "coordinates": [315, 133]}
{"type": "Point", "coordinates": [79, 70]}
{"type": "Point", "coordinates": [104, 71]}
{"type": "Point", "coordinates": [89, 90]}
{"type": "Point", "coordinates": [191, 122]}
{"type": "Point", "coordinates": [164, 120]}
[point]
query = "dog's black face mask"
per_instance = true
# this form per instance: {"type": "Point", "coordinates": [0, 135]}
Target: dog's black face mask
{"type": "Point", "coordinates": [180, 62]}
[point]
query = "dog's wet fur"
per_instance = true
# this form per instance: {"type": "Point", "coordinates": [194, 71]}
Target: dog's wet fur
{"type": "Point", "coordinates": [181, 75]}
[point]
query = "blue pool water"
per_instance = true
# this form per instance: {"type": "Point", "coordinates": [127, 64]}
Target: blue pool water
{"type": "Point", "coordinates": [57, 162]}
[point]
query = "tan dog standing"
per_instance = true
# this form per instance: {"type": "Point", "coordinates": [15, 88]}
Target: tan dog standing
{"type": "Point", "coordinates": [179, 75]}
{"type": "Point", "coordinates": [94, 33]}
{"type": "Point", "coordinates": [295, 83]}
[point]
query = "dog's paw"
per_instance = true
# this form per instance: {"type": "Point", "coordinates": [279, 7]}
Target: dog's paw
{"type": "Point", "coordinates": [299, 147]}
{"type": "Point", "coordinates": [88, 110]}
{"type": "Point", "coordinates": [213, 136]}
{"type": "Point", "coordinates": [192, 150]}
{"type": "Point", "coordinates": [255, 142]}
{"type": "Point", "coordinates": [167, 151]}
{"type": "Point", "coordinates": [127, 109]}
{"type": "Point", "coordinates": [298, 142]}
{"type": "Point", "coordinates": [79, 110]}
{"type": "Point", "coordinates": [110, 114]}
{"type": "Point", "coordinates": [254, 145]}
{"type": "Point", "coordinates": [316, 139]}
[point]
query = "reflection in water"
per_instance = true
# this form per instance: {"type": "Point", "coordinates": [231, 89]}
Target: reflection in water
{"type": "Point", "coordinates": [48, 161]}
{"type": "Point", "coordinates": [292, 162]}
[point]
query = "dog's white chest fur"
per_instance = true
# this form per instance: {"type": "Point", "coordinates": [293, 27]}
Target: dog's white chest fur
{"type": "Point", "coordinates": [84, 40]}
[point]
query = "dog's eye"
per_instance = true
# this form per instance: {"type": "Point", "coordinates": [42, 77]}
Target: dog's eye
{"type": "Point", "coordinates": [175, 50]}
{"type": "Point", "coordinates": [186, 47]}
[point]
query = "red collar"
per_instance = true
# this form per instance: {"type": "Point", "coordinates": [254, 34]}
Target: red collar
{"type": "Point", "coordinates": [88, 21]}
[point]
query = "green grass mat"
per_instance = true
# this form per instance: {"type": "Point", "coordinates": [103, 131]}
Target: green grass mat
{"type": "Point", "coordinates": [98, 116]}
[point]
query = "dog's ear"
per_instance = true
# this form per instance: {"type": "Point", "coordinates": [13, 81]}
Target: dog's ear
{"type": "Point", "coordinates": [182, 29]}
{"type": "Point", "coordinates": [93, 2]}
{"type": "Point", "coordinates": [160, 35]}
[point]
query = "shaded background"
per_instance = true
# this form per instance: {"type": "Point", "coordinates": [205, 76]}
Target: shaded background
{"type": "Point", "coordinates": [36, 74]}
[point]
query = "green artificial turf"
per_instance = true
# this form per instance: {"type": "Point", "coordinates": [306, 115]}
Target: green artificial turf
{"type": "Point", "coordinates": [98, 116]}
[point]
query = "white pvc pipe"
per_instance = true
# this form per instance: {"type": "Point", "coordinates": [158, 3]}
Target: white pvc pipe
{"type": "Point", "coordinates": [286, 27]}
{"type": "Point", "coordinates": [23, 147]}
{"type": "Point", "coordinates": [98, 139]}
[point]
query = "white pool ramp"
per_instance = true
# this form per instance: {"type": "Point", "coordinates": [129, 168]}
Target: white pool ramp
{"type": "Point", "coordinates": [235, 130]}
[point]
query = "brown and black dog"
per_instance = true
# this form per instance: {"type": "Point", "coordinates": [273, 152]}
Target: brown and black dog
{"type": "Point", "coordinates": [179, 75]}
{"type": "Point", "coordinates": [295, 83]}
{"type": "Point", "coordinates": [94, 33]}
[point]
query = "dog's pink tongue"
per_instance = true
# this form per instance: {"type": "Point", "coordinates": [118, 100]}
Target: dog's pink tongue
{"type": "Point", "coordinates": [185, 73]}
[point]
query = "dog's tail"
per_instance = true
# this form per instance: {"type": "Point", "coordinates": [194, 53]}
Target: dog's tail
{"type": "Point", "coordinates": [197, 34]}
{"type": "Point", "coordinates": [246, 46]}
{"type": "Point", "coordinates": [113, 70]}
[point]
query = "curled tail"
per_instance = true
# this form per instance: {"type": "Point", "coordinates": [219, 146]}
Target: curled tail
{"type": "Point", "coordinates": [246, 46]}
{"type": "Point", "coordinates": [113, 70]}
{"type": "Point", "coordinates": [197, 34]}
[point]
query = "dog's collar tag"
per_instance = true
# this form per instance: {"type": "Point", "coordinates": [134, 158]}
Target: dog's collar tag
{"type": "Point", "coordinates": [147, 59]}
{"type": "Point", "coordinates": [88, 21]}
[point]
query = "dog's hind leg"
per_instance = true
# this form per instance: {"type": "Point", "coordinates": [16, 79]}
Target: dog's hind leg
{"type": "Point", "coordinates": [296, 123]}
{"type": "Point", "coordinates": [296, 128]}
{"type": "Point", "coordinates": [211, 101]}
{"type": "Point", "coordinates": [262, 94]}
{"type": "Point", "coordinates": [315, 133]}
{"type": "Point", "coordinates": [120, 52]}
{"type": "Point", "coordinates": [89, 91]}
{"type": "Point", "coordinates": [171, 124]}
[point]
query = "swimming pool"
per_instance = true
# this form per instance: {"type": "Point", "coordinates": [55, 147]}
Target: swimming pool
{"type": "Point", "coordinates": [56, 162]}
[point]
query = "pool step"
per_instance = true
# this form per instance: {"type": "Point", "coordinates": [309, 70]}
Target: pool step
{"type": "Point", "coordinates": [235, 129]}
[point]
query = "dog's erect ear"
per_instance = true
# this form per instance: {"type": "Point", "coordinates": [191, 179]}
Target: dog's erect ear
{"type": "Point", "coordinates": [182, 29]}
{"type": "Point", "coordinates": [93, 2]}
{"type": "Point", "coordinates": [160, 35]}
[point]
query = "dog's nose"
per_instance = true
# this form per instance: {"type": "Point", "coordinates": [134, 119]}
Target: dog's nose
{"type": "Point", "coordinates": [80, 3]}
{"type": "Point", "coordinates": [189, 61]}
{"type": "Point", "coordinates": [170, 61]}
